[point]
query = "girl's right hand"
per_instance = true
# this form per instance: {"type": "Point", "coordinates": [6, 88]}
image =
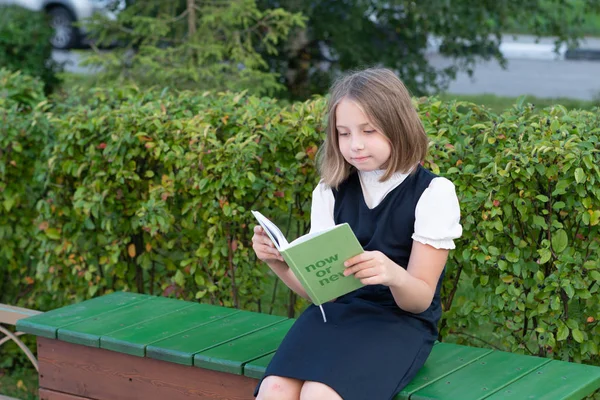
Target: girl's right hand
{"type": "Point", "coordinates": [263, 246]}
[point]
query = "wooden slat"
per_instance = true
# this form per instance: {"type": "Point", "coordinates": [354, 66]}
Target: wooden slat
{"type": "Point", "coordinates": [107, 375]}
{"type": "Point", "coordinates": [181, 348]}
{"type": "Point", "coordinates": [89, 331]}
{"type": "Point", "coordinates": [134, 339]}
{"type": "Point", "coordinates": [256, 368]}
{"type": "Point", "coordinates": [47, 324]}
{"type": "Point", "coordinates": [444, 359]}
{"type": "Point", "coordinates": [10, 314]}
{"type": "Point", "coordinates": [231, 357]}
{"type": "Point", "coordinates": [557, 380]}
{"type": "Point", "coordinates": [46, 394]}
{"type": "Point", "coordinates": [481, 378]}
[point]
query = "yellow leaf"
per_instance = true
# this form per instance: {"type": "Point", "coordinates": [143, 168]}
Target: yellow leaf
{"type": "Point", "coordinates": [21, 385]}
{"type": "Point", "coordinates": [148, 247]}
{"type": "Point", "coordinates": [131, 250]}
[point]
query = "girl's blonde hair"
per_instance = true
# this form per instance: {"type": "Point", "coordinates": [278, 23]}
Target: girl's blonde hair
{"type": "Point", "coordinates": [387, 104]}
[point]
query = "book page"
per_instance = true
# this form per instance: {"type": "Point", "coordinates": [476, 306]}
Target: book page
{"type": "Point", "coordinates": [272, 231]}
{"type": "Point", "coordinates": [310, 235]}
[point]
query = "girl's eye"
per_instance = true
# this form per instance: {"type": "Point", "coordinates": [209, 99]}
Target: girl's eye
{"type": "Point", "coordinates": [373, 131]}
{"type": "Point", "coordinates": [343, 133]}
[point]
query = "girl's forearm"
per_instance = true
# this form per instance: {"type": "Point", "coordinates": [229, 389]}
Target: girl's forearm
{"type": "Point", "coordinates": [284, 273]}
{"type": "Point", "coordinates": [411, 294]}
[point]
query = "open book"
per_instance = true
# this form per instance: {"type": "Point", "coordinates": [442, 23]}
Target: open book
{"type": "Point", "coordinates": [317, 259]}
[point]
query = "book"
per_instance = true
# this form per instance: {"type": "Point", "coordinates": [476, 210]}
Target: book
{"type": "Point", "coordinates": [317, 259]}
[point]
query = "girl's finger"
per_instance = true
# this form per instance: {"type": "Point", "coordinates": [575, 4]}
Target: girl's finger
{"type": "Point", "coordinates": [357, 267]}
{"type": "Point", "coordinates": [366, 273]}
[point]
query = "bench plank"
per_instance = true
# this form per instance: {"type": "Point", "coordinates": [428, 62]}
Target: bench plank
{"type": "Point", "coordinates": [181, 348]}
{"type": "Point", "coordinates": [231, 357]}
{"type": "Point", "coordinates": [89, 331]}
{"type": "Point", "coordinates": [256, 368]}
{"type": "Point", "coordinates": [481, 378]}
{"type": "Point", "coordinates": [11, 314]}
{"type": "Point", "coordinates": [134, 339]}
{"type": "Point", "coordinates": [47, 324]}
{"type": "Point", "coordinates": [570, 382]}
{"type": "Point", "coordinates": [46, 394]}
{"type": "Point", "coordinates": [444, 359]}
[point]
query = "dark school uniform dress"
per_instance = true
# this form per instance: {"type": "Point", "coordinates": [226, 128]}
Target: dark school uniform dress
{"type": "Point", "coordinates": [369, 348]}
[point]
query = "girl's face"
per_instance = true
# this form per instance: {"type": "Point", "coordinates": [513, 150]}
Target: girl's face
{"type": "Point", "coordinates": [361, 144]}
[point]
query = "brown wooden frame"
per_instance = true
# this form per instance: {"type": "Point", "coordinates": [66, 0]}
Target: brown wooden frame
{"type": "Point", "coordinates": [10, 315]}
{"type": "Point", "coordinates": [68, 369]}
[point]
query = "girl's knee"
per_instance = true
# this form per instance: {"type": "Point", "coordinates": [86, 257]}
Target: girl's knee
{"type": "Point", "coordinates": [318, 391]}
{"type": "Point", "coordinates": [279, 388]}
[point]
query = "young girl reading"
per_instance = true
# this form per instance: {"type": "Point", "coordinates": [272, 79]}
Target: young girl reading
{"type": "Point", "coordinates": [377, 337]}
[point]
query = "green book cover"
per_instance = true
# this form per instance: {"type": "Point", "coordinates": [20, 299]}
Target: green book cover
{"type": "Point", "coordinates": [317, 259]}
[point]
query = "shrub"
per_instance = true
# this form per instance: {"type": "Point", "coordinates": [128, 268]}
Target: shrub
{"type": "Point", "coordinates": [25, 45]}
{"type": "Point", "coordinates": [24, 135]}
{"type": "Point", "coordinates": [529, 187]}
{"type": "Point", "coordinates": [151, 192]}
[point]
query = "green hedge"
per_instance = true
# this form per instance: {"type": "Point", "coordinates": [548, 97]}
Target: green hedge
{"type": "Point", "coordinates": [25, 44]}
{"type": "Point", "coordinates": [151, 192]}
{"type": "Point", "coordinates": [25, 134]}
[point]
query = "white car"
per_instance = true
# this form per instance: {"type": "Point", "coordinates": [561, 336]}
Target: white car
{"type": "Point", "coordinates": [63, 13]}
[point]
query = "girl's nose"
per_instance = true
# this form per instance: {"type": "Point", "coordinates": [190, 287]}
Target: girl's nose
{"type": "Point", "coordinates": [357, 143]}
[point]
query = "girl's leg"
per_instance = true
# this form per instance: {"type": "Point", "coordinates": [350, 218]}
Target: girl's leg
{"type": "Point", "coordinates": [279, 388]}
{"type": "Point", "coordinates": [318, 391]}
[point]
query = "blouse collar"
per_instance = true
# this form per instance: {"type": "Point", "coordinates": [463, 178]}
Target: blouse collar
{"type": "Point", "coordinates": [372, 177]}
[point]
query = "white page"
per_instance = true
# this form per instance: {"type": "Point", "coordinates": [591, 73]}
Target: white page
{"type": "Point", "coordinates": [311, 235]}
{"type": "Point", "coordinates": [272, 231]}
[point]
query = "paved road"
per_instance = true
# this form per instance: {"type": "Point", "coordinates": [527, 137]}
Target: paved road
{"type": "Point", "coordinates": [541, 78]}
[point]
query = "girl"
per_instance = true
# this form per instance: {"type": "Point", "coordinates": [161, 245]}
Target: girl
{"type": "Point", "coordinates": [375, 338]}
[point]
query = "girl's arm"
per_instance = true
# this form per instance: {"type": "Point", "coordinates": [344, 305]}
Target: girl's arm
{"type": "Point", "coordinates": [414, 288]}
{"type": "Point", "coordinates": [284, 273]}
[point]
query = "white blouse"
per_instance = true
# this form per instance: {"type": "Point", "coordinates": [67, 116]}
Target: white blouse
{"type": "Point", "coordinates": [437, 215]}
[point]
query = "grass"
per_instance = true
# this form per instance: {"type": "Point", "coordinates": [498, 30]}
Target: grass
{"type": "Point", "coordinates": [499, 103]}
{"type": "Point", "coordinates": [20, 383]}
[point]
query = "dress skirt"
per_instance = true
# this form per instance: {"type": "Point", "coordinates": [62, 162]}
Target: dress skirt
{"type": "Point", "coordinates": [368, 349]}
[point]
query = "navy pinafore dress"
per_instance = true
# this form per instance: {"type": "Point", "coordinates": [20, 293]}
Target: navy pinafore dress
{"type": "Point", "coordinates": [369, 348]}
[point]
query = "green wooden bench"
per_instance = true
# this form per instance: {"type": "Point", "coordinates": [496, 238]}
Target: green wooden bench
{"type": "Point", "coordinates": [132, 346]}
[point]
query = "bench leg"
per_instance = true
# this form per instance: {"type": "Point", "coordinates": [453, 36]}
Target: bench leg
{"type": "Point", "coordinates": [14, 337]}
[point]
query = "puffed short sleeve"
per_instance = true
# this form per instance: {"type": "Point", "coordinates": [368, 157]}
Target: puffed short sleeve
{"type": "Point", "coordinates": [437, 215]}
{"type": "Point", "coordinates": [321, 210]}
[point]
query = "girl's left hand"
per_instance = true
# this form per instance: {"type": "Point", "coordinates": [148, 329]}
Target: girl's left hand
{"type": "Point", "coordinates": [373, 268]}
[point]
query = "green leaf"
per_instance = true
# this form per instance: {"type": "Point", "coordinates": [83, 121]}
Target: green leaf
{"type": "Point", "coordinates": [512, 257]}
{"type": "Point", "coordinates": [545, 255]}
{"type": "Point", "coordinates": [563, 333]}
{"type": "Point", "coordinates": [577, 335]}
{"type": "Point", "coordinates": [559, 241]}
{"type": "Point", "coordinates": [179, 278]}
{"type": "Point", "coordinates": [569, 290]}
{"type": "Point", "coordinates": [579, 175]}
{"type": "Point", "coordinates": [53, 233]}
{"type": "Point", "coordinates": [539, 276]}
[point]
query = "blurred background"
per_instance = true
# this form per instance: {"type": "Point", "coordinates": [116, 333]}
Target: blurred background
{"type": "Point", "coordinates": [482, 51]}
